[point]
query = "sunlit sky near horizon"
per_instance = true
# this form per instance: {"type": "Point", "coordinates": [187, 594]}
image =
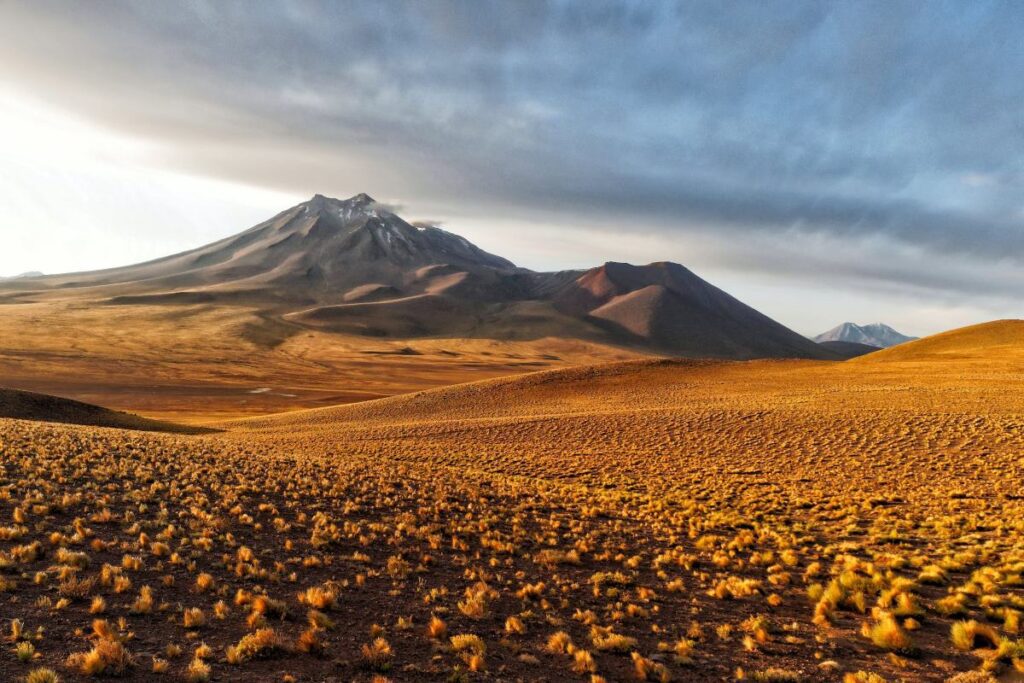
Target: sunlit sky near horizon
{"type": "Point", "coordinates": [823, 162]}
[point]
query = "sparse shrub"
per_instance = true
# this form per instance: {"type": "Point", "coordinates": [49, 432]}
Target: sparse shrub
{"type": "Point", "coordinates": [777, 675]}
{"type": "Point", "coordinates": [683, 650]}
{"type": "Point", "coordinates": [75, 588]}
{"type": "Point", "coordinates": [319, 598]}
{"type": "Point", "coordinates": [649, 670]}
{"type": "Point", "coordinates": [107, 657]}
{"type": "Point", "coordinates": [205, 582]}
{"type": "Point", "coordinates": [144, 603]}
{"type": "Point", "coordinates": [514, 625]}
{"type": "Point", "coordinates": [972, 677]}
{"type": "Point", "coordinates": [436, 628]}
{"type": "Point", "coordinates": [863, 677]}
{"type": "Point", "coordinates": [472, 650]}
{"type": "Point", "coordinates": [193, 617]}
{"type": "Point", "coordinates": [42, 675]}
{"type": "Point", "coordinates": [319, 620]}
{"type": "Point", "coordinates": [198, 671]}
{"type": "Point", "coordinates": [604, 640]}
{"type": "Point", "coordinates": [377, 655]}
{"type": "Point", "coordinates": [887, 634]}
{"type": "Point", "coordinates": [25, 651]}
{"type": "Point", "coordinates": [558, 643]}
{"type": "Point", "coordinates": [262, 643]}
{"type": "Point", "coordinates": [468, 642]}
{"type": "Point", "coordinates": [583, 662]}
{"type": "Point", "coordinates": [309, 641]}
{"type": "Point", "coordinates": [968, 635]}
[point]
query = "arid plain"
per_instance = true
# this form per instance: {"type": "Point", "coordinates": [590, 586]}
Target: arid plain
{"type": "Point", "coordinates": [194, 363]}
{"type": "Point", "coordinates": [363, 450]}
{"type": "Point", "coordinates": [774, 520]}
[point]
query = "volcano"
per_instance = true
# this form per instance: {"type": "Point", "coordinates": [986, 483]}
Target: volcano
{"type": "Point", "coordinates": [354, 266]}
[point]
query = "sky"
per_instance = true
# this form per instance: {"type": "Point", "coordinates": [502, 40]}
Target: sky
{"type": "Point", "coordinates": [823, 162]}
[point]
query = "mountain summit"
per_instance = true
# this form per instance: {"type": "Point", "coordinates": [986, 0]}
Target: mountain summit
{"type": "Point", "coordinates": [355, 267]}
{"type": "Point", "coordinates": [875, 334]}
{"type": "Point", "coordinates": [315, 251]}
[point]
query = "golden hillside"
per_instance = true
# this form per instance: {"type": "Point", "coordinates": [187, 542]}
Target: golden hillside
{"type": "Point", "coordinates": [999, 343]}
{"type": "Point", "coordinates": [774, 420]}
{"type": "Point", "coordinates": [25, 405]}
{"type": "Point", "coordinates": [199, 362]}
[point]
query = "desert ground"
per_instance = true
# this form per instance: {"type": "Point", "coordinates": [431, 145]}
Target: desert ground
{"type": "Point", "coordinates": [199, 362]}
{"type": "Point", "coordinates": [650, 519]}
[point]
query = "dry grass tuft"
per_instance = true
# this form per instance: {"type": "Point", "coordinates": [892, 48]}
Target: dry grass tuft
{"type": "Point", "coordinates": [264, 642]}
{"type": "Point", "coordinates": [42, 675]}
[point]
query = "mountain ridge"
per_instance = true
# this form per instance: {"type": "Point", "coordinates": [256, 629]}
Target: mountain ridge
{"type": "Point", "coordinates": [878, 335]}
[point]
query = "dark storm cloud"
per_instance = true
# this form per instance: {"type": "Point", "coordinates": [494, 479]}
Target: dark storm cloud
{"type": "Point", "coordinates": [857, 121]}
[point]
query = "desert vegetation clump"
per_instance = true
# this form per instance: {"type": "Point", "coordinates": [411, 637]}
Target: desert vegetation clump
{"type": "Point", "coordinates": [108, 655]}
{"type": "Point", "coordinates": [260, 643]}
{"type": "Point", "coordinates": [42, 675]}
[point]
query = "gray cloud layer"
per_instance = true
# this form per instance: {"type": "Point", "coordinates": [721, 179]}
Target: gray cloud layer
{"type": "Point", "coordinates": [891, 121]}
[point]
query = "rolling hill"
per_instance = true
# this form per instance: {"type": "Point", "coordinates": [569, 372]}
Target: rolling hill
{"type": "Point", "coordinates": [999, 343]}
{"type": "Point", "coordinates": [26, 405]}
{"type": "Point", "coordinates": [692, 417]}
